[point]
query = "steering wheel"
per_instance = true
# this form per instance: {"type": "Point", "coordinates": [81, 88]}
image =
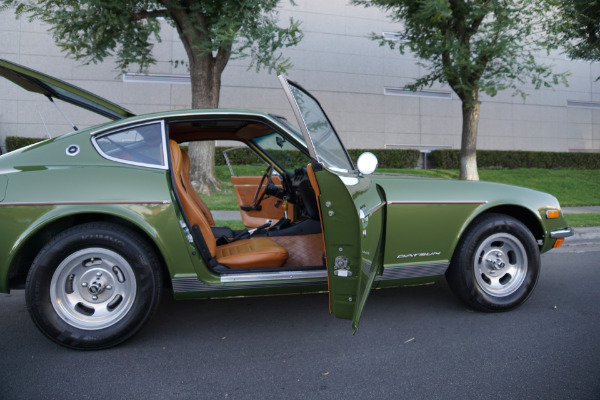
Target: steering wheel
{"type": "Point", "coordinates": [261, 189]}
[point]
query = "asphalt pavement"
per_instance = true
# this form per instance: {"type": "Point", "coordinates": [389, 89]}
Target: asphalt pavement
{"type": "Point", "coordinates": [413, 343]}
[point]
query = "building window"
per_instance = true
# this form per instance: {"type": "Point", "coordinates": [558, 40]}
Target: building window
{"type": "Point", "coordinates": [438, 94]}
{"type": "Point", "coordinates": [583, 104]}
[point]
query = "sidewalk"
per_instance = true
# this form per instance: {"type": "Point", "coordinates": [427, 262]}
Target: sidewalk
{"type": "Point", "coordinates": [226, 215]}
{"type": "Point", "coordinates": [581, 210]}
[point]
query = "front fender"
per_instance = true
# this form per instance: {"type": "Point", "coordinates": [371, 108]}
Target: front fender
{"type": "Point", "coordinates": [427, 217]}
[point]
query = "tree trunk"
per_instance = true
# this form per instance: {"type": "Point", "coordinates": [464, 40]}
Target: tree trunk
{"type": "Point", "coordinates": [205, 94]}
{"type": "Point", "coordinates": [468, 148]}
{"type": "Point", "coordinates": [205, 76]}
{"type": "Point", "coordinates": [202, 166]}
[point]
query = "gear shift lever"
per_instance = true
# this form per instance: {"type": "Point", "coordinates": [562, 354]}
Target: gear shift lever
{"type": "Point", "coordinates": [284, 207]}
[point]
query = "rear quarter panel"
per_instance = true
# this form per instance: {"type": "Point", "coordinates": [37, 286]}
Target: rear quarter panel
{"type": "Point", "coordinates": [44, 186]}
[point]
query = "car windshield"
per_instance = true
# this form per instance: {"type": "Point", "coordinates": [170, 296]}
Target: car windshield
{"type": "Point", "coordinates": [327, 145]}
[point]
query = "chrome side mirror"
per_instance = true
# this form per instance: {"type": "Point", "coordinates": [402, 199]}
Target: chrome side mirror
{"type": "Point", "coordinates": [367, 163]}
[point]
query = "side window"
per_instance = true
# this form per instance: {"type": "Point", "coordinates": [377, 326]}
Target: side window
{"type": "Point", "coordinates": [138, 145]}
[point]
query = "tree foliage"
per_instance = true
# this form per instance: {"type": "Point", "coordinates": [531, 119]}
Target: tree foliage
{"type": "Point", "coordinates": [474, 46]}
{"type": "Point", "coordinates": [578, 26]}
{"type": "Point", "coordinates": [91, 30]}
{"type": "Point", "coordinates": [486, 45]}
{"type": "Point", "coordinates": [212, 33]}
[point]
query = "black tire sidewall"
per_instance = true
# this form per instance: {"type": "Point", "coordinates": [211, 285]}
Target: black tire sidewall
{"type": "Point", "coordinates": [461, 274]}
{"type": "Point", "coordinates": [104, 235]}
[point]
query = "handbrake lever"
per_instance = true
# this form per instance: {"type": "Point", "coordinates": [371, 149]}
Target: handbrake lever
{"type": "Point", "coordinates": [254, 230]}
{"type": "Point", "coordinates": [250, 232]}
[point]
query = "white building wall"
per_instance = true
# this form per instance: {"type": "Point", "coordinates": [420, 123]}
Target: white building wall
{"type": "Point", "coordinates": [336, 61]}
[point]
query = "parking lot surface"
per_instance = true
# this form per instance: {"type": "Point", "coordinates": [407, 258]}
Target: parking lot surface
{"type": "Point", "coordinates": [413, 342]}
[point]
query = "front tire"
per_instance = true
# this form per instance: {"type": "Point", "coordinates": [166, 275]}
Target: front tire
{"type": "Point", "coordinates": [496, 264]}
{"type": "Point", "coordinates": [93, 286]}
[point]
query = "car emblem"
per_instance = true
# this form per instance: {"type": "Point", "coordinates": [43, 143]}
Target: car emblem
{"type": "Point", "coordinates": [73, 150]}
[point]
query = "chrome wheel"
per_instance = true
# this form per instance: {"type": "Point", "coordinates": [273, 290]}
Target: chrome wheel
{"type": "Point", "coordinates": [500, 264]}
{"type": "Point", "coordinates": [496, 264]}
{"type": "Point", "coordinates": [93, 288]}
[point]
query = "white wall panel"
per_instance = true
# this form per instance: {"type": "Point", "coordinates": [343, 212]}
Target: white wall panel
{"type": "Point", "coordinates": [346, 71]}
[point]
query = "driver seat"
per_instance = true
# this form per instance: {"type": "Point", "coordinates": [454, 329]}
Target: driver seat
{"type": "Point", "coordinates": [257, 252]}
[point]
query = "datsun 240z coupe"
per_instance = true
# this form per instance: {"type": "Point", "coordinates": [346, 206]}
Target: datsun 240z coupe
{"type": "Point", "coordinates": [96, 222]}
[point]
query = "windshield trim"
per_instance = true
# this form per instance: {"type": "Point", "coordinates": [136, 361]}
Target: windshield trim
{"type": "Point", "coordinates": [286, 84]}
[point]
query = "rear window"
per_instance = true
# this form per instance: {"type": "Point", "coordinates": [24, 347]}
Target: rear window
{"type": "Point", "coordinates": [138, 145]}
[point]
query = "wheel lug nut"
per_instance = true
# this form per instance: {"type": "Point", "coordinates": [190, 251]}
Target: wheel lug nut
{"type": "Point", "coordinates": [98, 273]}
{"type": "Point", "coordinates": [84, 284]}
{"type": "Point", "coordinates": [94, 297]}
{"type": "Point", "coordinates": [109, 287]}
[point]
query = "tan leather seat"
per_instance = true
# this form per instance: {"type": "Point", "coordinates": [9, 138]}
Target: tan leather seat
{"type": "Point", "coordinates": [185, 175]}
{"type": "Point", "coordinates": [260, 252]}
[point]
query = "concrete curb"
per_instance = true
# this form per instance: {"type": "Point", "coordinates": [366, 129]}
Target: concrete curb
{"type": "Point", "coordinates": [584, 236]}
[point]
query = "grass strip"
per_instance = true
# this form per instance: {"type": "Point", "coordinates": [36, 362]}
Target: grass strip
{"type": "Point", "coordinates": [583, 220]}
{"type": "Point", "coordinates": [572, 187]}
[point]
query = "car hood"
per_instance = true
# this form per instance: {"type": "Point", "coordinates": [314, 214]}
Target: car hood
{"type": "Point", "coordinates": [417, 189]}
{"type": "Point", "coordinates": [53, 88]}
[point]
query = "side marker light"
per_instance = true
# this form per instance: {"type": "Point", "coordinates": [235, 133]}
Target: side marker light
{"type": "Point", "coordinates": [550, 214]}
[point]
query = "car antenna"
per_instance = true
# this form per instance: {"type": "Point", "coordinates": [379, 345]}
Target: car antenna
{"type": "Point", "coordinates": [61, 111]}
{"type": "Point", "coordinates": [43, 122]}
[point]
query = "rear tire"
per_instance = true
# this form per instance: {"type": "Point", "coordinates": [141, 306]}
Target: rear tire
{"type": "Point", "coordinates": [93, 286]}
{"type": "Point", "coordinates": [496, 264]}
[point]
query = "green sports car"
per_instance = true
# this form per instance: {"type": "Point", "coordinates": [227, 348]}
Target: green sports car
{"type": "Point", "coordinates": [96, 222]}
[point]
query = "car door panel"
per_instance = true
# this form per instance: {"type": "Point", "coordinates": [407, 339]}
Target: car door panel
{"type": "Point", "coordinates": [354, 244]}
{"type": "Point", "coordinates": [271, 207]}
{"type": "Point", "coordinates": [352, 208]}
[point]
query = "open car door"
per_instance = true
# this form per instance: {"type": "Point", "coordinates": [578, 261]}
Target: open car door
{"type": "Point", "coordinates": [352, 209]}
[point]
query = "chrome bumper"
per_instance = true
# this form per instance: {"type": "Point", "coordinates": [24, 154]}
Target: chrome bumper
{"type": "Point", "coordinates": [562, 233]}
